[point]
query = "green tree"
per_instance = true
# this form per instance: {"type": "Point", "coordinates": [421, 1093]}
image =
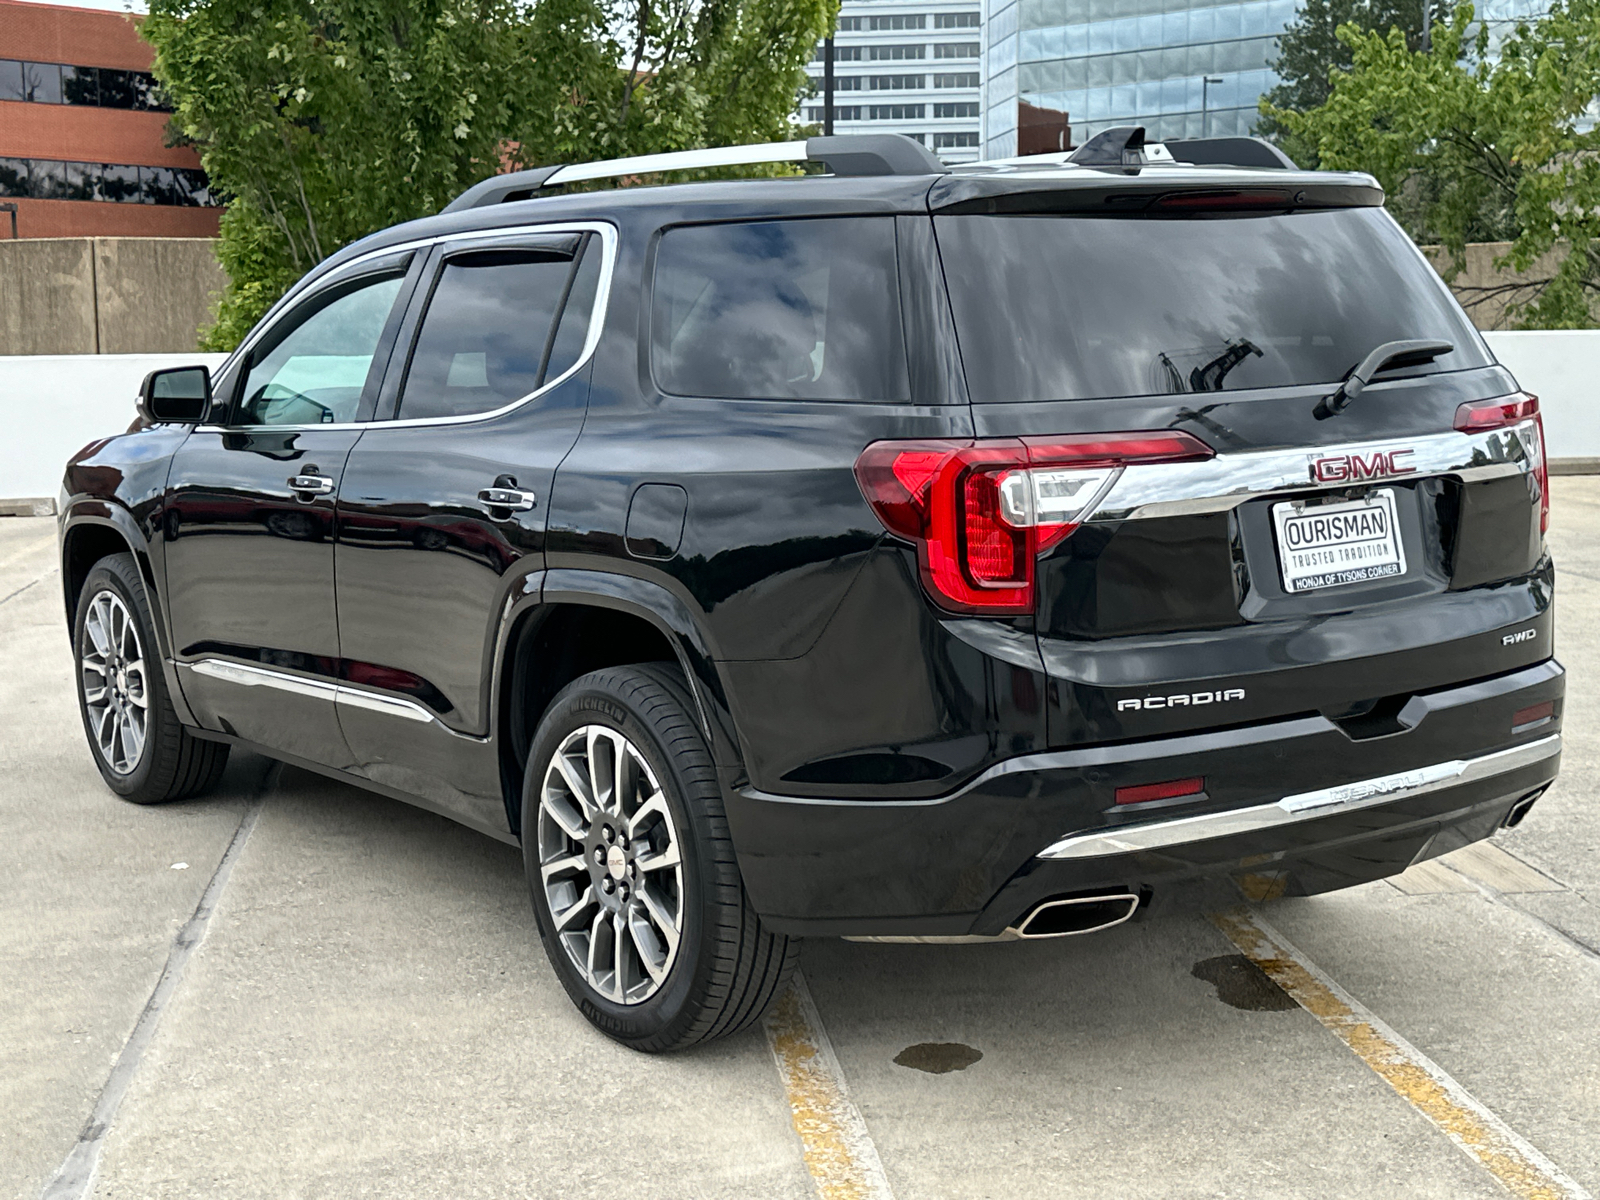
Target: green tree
{"type": "Point", "coordinates": [1469, 149]}
{"type": "Point", "coordinates": [326, 120]}
{"type": "Point", "coordinates": [1310, 53]}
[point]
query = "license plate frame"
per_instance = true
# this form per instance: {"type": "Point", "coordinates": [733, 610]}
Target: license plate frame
{"type": "Point", "coordinates": [1359, 550]}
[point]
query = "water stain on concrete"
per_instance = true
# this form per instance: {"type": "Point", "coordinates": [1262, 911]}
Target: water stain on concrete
{"type": "Point", "coordinates": [1242, 984]}
{"type": "Point", "coordinates": [938, 1058]}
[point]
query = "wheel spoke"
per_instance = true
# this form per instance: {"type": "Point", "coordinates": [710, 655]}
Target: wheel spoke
{"type": "Point", "coordinates": [560, 866]}
{"type": "Point", "coordinates": [619, 956]}
{"type": "Point", "coordinates": [579, 787]}
{"type": "Point", "coordinates": [558, 810]}
{"type": "Point", "coordinates": [569, 916]}
{"type": "Point", "coordinates": [654, 960]}
{"type": "Point", "coordinates": [94, 626]}
{"type": "Point", "coordinates": [595, 927]}
{"type": "Point", "coordinates": [660, 918]}
{"type": "Point", "coordinates": [132, 739]}
{"type": "Point", "coordinates": [137, 693]}
{"type": "Point", "coordinates": [660, 861]}
{"type": "Point", "coordinates": [601, 776]}
{"type": "Point", "coordinates": [657, 803]}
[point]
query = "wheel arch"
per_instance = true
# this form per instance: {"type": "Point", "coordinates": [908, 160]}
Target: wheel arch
{"type": "Point", "coordinates": [93, 530]}
{"type": "Point", "coordinates": [584, 621]}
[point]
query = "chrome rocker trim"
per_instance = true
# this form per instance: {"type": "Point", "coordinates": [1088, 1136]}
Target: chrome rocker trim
{"type": "Point", "coordinates": [337, 693]}
{"type": "Point", "coordinates": [1145, 491]}
{"type": "Point", "coordinates": [1306, 806]}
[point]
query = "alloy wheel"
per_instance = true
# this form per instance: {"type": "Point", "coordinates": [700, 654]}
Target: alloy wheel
{"type": "Point", "coordinates": [610, 864]}
{"type": "Point", "coordinates": [116, 693]}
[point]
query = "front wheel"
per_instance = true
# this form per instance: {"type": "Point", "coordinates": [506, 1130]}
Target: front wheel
{"type": "Point", "coordinates": [142, 750]}
{"type": "Point", "coordinates": [639, 900]}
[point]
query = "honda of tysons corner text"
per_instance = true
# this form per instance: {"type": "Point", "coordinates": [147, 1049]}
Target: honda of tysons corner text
{"type": "Point", "coordinates": [891, 551]}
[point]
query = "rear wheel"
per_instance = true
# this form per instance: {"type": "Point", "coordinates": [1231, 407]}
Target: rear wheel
{"type": "Point", "coordinates": [639, 901]}
{"type": "Point", "coordinates": [143, 751]}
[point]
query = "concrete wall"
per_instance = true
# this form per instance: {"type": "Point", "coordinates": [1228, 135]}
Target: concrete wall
{"type": "Point", "coordinates": [106, 295]}
{"type": "Point", "coordinates": [51, 406]}
{"type": "Point", "coordinates": [1562, 368]}
{"type": "Point", "coordinates": [1485, 290]}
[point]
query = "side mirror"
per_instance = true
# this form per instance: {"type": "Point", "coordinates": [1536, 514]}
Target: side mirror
{"type": "Point", "coordinates": [177, 395]}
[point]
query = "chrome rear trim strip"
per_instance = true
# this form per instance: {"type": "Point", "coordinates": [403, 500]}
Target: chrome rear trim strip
{"type": "Point", "coordinates": [249, 676]}
{"type": "Point", "coordinates": [389, 706]}
{"type": "Point", "coordinates": [1305, 806]}
{"type": "Point", "coordinates": [1148, 490]}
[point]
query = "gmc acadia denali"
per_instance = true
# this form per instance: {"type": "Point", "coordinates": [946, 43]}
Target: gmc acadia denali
{"type": "Point", "coordinates": [892, 551]}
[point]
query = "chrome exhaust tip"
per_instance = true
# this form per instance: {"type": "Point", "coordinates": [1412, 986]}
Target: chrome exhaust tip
{"type": "Point", "coordinates": [1075, 915]}
{"type": "Point", "coordinates": [1521, 807]}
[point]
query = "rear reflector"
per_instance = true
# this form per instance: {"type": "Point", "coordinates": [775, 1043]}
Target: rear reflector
{"type": "Point", "coordinates": [1533, 714]}
{"type": "Point", "coordinates": [1170, 790]}
{"type": "Point", "coordinates": [981, 511]}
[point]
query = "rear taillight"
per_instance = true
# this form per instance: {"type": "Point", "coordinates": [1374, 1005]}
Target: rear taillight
{"type": "Point", "coordinates": [980, 511]}
{"type": "Point", "coordinates": [1480, 416]}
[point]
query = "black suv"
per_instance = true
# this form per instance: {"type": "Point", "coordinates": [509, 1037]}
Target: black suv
{"type": "Point", "coordinates": [891, 552]}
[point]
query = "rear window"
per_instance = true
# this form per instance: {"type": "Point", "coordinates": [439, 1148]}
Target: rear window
{"type": "Point", "coordinates": [1077, 308]}
{"type": "Point", "coordinates": [779, 310]}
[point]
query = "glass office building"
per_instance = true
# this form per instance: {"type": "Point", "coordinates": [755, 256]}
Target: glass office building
{"type": "Point", "coordinates": [1180, 68]}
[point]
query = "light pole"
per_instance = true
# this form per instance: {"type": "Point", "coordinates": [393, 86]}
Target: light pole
{"type": "Point", "coordinates": [827, 86]}
{"type": "Point", "coordinates": [1205, 106]}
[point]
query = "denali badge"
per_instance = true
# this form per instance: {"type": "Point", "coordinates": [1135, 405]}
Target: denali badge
{"type": "Point", "coordinates": [1522, 635]}
{"type": "Point", "coordinates": [1189, 698]}
{"type": "Point", "coordinates": [1351, 468]}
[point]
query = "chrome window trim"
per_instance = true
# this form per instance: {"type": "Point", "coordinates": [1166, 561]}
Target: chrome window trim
{"type": "Point", "coordinates": [602, 299]}
{"type": "Point", "coordinates": [1146, 491]}
{"type": "Point", "coordinates": [342, 694]}
{"type": "Point", "coordinates": [1305, 806]}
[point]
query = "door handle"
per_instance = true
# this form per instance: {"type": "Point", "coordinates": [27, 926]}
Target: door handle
{"type": "Point", "coordinates": [314, 485]}
{"type": "Point", "coordinates": [512, 498]}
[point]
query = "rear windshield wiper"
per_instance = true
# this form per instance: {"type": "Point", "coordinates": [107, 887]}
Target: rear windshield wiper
{"type": "Point", "coordinates": [1390, 354]}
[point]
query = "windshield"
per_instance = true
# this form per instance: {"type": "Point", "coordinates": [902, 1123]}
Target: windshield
{"type": "Point", "coordinates": [1077, 308]}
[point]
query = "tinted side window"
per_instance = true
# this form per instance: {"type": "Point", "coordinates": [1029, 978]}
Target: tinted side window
{"type": "Point", "coordinates": [484, 336]}
{"type": "Point", "coordinates": [315, 374]}
{"type": "Point", "coordinates": [573, 331]}
{"type": "Point", "coordinates": [779, 310]}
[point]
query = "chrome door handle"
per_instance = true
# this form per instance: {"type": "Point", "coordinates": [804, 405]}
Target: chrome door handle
{"type": "Point", "coordinates": [512, 498]}
{"type": "Point", "coordinates": [316, 485]}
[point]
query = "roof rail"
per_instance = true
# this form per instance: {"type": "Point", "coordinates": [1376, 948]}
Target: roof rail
{"type": "Point", "coordinates": [851, 154]}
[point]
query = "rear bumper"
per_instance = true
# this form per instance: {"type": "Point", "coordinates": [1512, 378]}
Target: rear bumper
{"type": "Point", "coordinates": [1291, 808]}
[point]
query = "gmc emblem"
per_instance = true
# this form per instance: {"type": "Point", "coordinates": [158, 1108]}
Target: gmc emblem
{"type": "Point", "coordinates": [1351, 468]}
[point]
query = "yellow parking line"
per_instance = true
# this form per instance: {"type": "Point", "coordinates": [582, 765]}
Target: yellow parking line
{"type": "Point", "coordinates": [834, 1141]}
{"type": "Point", "coordinates": [1430, 1090]}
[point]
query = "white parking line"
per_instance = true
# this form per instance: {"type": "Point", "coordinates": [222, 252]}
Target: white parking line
{"type": "Point", "coordinates": [838, 1150]}
{"type": "Point", "coordinates": [1509, 1157]}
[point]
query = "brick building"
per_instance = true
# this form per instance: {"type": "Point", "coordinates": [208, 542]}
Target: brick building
{"type": "Point", "coordinates": [81, 132]}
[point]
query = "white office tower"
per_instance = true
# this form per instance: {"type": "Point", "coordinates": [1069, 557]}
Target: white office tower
{"type": "Point", "coordinates": [905, 67]}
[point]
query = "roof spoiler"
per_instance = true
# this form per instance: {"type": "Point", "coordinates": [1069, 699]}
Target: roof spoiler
{"type": "Point", "coordinates": [1125, 146]}
{"type": "Point", "coordinates": [851, 154]}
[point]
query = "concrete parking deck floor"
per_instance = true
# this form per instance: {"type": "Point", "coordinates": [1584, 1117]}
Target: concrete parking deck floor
{"type": "Point", "coordinates": [369, 1012]}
